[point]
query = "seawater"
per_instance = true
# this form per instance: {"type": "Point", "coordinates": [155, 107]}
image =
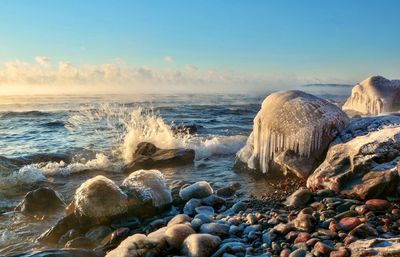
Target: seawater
{"type": "Point", "coordinates": [60, 141]}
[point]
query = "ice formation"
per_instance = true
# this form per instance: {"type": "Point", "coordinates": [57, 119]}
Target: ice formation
{"type": "Point", "coordinates": [374, 95]}
{"type": "Point", "coordinates": [292, 130]}
{"type": "Point", "coordinates": [100, 197]}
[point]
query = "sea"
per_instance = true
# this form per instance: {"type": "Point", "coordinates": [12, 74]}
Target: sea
{"type": "Point", "coordinates": [59, 141]}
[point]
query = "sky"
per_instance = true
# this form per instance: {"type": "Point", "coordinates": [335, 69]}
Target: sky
{"type": "Point", "coordinates": [194, 46]}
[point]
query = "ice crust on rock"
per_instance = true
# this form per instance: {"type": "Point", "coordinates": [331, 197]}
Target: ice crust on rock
{"type": "Point", "coordinates": [100, 197]}
{"type": "Point", "coordinates": [147, 186]}
{"type": "Point", "coordinates": [292, 130]}
{"type": "Point", "coordinates": [362, 159]}
{"type": "Point", "coordinates": [373, 96]}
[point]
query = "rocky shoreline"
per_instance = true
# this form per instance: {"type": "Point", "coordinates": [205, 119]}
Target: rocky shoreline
{"type": "Point", "coordinates": [216, 223]}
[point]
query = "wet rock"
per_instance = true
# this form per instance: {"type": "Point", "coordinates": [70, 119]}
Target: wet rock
{"type": "Point", "coordinates": [302, 237]}
{"type": "Point", "coordinates": [138, 245]}
{"type": "Point", "coordinates": [147, 192]}
{"type": "Point", "coordinates": [199, 189]}
{"type": "Point", "coordinates": [323, 248]}
{"type": "Point", "coordinates": [176, 234]}
{"type": "Point", "coordinates": [217, 229]}
{"type": "Point", "coordinates": [341, 252]}
{"type": "Point", "coordinates": [59, 253]}
{"type": "Point", "coordinates": [378, 204]}
{"type": "Point", "coordinates": [191, 205]}
{"type": "Point", "coordinates": [285, 253]}
{"type": "Point", "coordinates": [148, 156]}
{"type": "Point", "coordinates": [282, 228]}
{"type": "Point", "coordinates": [229, 190]}
{"type": "Point", "coordinates": [43, 201]}
{"type": "Point", "coordinates": [53, 234]}
{"type": "Point", "coordinates": [80, 242]}
{"type": "Point", "coordinates": [100, 198]}
{"type": "Point", "coordinates": [179, 219]}
{"type": "Point", "coordinates": [348, 223]}
{"type": "Point", "coordinates": [200, 245]}
{"type": "Point", "coordinates": [206, 210]}
{"type": "Point", "coordinates": [362, 159]}
{"type": "Point", "coordinates": [298, 253]}
{"type": "Point", "coordinates": [375, 247]}
{"type": "Point", "coordinates": [304, 222]}
{"type": "Point", "coordinates": [299, 198]}
{"type": "Point", "coordinates": [239, 206]}
{"type": "Point", "coordinates": [213, 200]}
{"type": "Point", "coordinates": [292, 131]}
{"type": "Point", "coordinates": [97, 234]}
{"type": "Point", "coordinates": [363, 230]}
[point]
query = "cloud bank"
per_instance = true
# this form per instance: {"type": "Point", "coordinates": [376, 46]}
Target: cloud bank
{"type": "Point", "coordinates": [43, 75]}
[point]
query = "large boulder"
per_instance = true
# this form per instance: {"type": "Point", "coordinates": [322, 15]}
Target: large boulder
{"type": "Point", "coordinates": [147, 192]}
{"type": "Point", "coordinates": [362, 160]}
{"type": "Point", "coordinates": [100, 198]}
{"type": "Point", "coordinates": [43, 200]}
{"type": "Point", "coordinates": [373, 96]}
{"type": "Point", "coordinates": [292, 132]}
{"type": "Point", "coordinates": [148, 156]}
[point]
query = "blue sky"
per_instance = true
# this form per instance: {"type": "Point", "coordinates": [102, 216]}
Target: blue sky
{"type": "Point", "coordinates": [326, 41]}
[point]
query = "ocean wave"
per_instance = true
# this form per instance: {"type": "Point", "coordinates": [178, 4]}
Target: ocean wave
{"type": "Point", "coordinates": [24, 114]}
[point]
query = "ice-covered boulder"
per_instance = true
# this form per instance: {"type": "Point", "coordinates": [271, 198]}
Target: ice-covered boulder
{"type": "Point", "coordinates": [292, 131]}
{"type": "Point", "coordinates": [100, 198]}
{"type": "Point", "coordinates": [147, 192]}
{"type": "Point", "coordinates": [362, 159]}
{"type": "Point", "coordinates": [373, 96]}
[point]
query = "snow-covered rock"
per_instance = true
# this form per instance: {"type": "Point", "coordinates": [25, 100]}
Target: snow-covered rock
{"type": "Point", "coordinates": [147, 192]}
{"type": "Point", "coordinates": [100, 198]}
{"type": "Point", "coordinates": [373, 96]}
{"type": "Point", "coordinates": [362, 159]}
{"type": "Point", "coordinates": [292, 131]}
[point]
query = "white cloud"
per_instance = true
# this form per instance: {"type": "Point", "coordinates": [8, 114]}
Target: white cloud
{"type": "Point", "coordinates": [119, 75]}
{"type": "Point", "coordinates": [168, 59]}
{"type": "Point", "coordinates": [42, 60]}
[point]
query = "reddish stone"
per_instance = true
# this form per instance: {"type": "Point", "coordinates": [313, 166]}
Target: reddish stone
{"type": "Point", "coordinates": [348, 223]}
{"type": "Point", "coordinates": [378, 204]}
{"type": "Point", "coordinates": [349, 239]}
{"type": "Point", "coordinates": [396, 212]}
{"type": "Point", "coordinates": [342, 252]}
{"type": "Point", "coordinates": [302, 237]}
{"type": "Point", "coordinates": [285, 253]}
{"type": "Point", "coordinates": [332, 226]}
{"type": "Point", "coordinates": [323, 248]}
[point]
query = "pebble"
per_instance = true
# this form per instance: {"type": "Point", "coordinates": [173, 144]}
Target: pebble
{"type": "Point", "coordinates": [378, 204]}
{"type": "Point", "coordinates": [220, 230]}
{"type": "Point", "coordinates": [200, 245]}
{"type": "Point", "coordinates": [348, 223]}
{"type": "Point", "coordinates": [298, 253]}
{"type": "Point", "coordinates": [176, 234]}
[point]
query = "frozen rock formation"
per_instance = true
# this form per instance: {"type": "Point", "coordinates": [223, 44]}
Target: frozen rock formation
{"type": "Point", "coordinates": [100, 197]}
{"type": "Point", "coordinates": [362, 159]}
{"type": "Point", "coordinates": [147, 192]}
{"type": "Point", "coordinates": [373, 96]}
{"type": "Point", "coordinates": [292, 131]}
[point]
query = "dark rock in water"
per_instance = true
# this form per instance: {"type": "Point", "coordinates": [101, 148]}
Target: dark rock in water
{"type": "Point", "coordinates": [362, 160]}
{"type": "Point", "coordinates": [148, 156]}
{"type": "Point", "coordinates": [60, 253]}
{"type": "Point", "coordinates": [147, 191]}
{"type": "Point", "coordinates": [229, 190]}
{"type": "Point", "coordinates": [40, 201]}
{"type": "Point", "coordinates": [53, 234]}
{"type": "Point", "coordinates": [186, 129]}
{"type": "Point", "coordinates": [80, 242]}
